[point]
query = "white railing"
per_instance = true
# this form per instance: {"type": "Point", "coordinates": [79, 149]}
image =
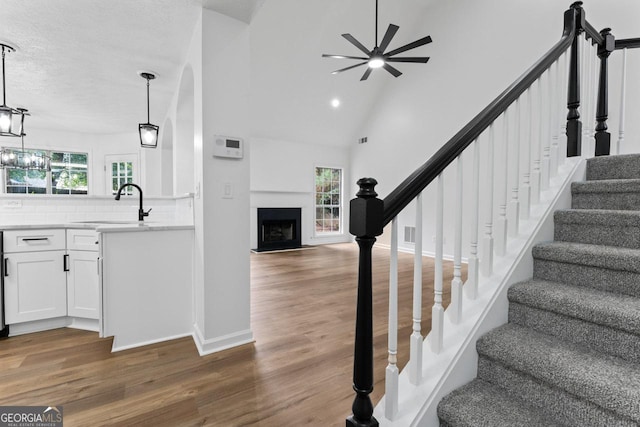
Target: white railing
{"type": "Point", "coordinates": [514, 159]}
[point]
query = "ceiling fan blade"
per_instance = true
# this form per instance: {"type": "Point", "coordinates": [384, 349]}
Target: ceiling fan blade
{"type": "Point", "coordinates": [356, 43]}
{"type": "Point", "coordinates": [409, 59]}
{"type": "Point", "coordinates": [324, 55]}
{"type": "Point", "coordinates": [392, 70]}
{"type": "Point", "coordinates": [391, 31]}
{"type": "Point", "coordinates": [365, 76]}
{"type": "Point", "coordinates": [410, 46]}
{"type": "Point", "coordinates": [348, 68]}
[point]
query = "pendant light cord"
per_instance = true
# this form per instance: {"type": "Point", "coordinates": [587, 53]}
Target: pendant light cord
{"type": "Point", "coordinates": [4, 103]}
{"type": "Point", "coordinates": [148, 121]}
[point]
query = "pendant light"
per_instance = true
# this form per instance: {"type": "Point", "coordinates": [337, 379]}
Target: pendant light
{"type": "Point", "coordinates": [21, 159]}
{"type": "Point", "coordinates": [148, 131]}
{"type": "Point", "coordinates": [11, 120]}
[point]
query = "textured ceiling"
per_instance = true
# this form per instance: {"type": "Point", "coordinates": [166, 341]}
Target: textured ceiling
{"type": "Point", "coordinates": [77, 61]}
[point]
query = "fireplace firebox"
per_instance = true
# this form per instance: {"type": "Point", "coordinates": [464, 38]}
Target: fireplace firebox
{"type": "Point", "coordinates": [278, 228]}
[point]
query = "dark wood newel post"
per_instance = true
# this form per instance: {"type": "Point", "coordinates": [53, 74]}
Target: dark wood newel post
{"type": "Point", "coordinates": [366, 219]}
{"type": "Point", "coordinates": [574, 125]}
{"type": "Point", "coordinates": [603, 138]}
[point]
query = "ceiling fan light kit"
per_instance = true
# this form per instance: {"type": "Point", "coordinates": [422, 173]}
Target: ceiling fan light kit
{"type": "Point", "coordinates": [377, 57]}
{"type": "Point", "coordinates": [148, 132]}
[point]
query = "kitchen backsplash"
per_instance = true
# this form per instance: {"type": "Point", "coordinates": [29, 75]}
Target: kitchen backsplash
{"type": "Point", "coordinates": [16, 210]}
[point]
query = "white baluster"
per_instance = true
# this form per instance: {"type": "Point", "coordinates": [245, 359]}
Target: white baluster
{"type": "Point", "coordinates": [501, 221]}
{"type": "Point", "coordinates": [623, 94]}
{"type": "Point", "coordinates": [487, 239]}
{"type": "Point", "coordinates": [391, 374]}
{"type": "Point", "coordinates": [471, 287]}
{"type": "Point", "coordinates": [526, 173]}
{"type": "Point", "coordinates": [545, 166]}
{"type": "Point", "coordinates": [564, 82]}
{"type": "Point", "coordinates": [513, 217]}
{"type": "Point", "coordinates": [555, 117]}
{"type": "Point", "coordinates": [455, 308]}
{"type": "Point", "coordinates": [437, 312]}
{"type": "Point", "coordinates": [415, 342]}
{"type": "Point", "coordinates": [535, 149]}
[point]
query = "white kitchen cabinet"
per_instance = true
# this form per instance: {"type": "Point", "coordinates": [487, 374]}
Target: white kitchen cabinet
{"type": "Point", "coordinates": [82, 274]}
{"type": "Point", "coordinates": [35, 286]}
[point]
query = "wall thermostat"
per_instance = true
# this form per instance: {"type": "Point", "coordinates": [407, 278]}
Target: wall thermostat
{"type": "Point", "coordinates": [225, 146]}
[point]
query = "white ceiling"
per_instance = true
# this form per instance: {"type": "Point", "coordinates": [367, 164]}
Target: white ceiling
{"type": "Point", "coordinates": [77, 61]}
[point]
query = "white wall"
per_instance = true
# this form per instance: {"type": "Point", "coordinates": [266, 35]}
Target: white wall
{"type": "Point", "coordinates": [218, 62]}
{"type": "Point", "coordinates": [283, 175]}
{"type": "Point", "coordinates": [478, 49]}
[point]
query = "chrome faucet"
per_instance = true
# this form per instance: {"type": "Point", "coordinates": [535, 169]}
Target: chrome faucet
{"type": "Point", "coordinates": [141, 212]}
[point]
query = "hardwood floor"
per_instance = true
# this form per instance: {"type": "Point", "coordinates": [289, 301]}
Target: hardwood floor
{"type": "Point", "coordinates": [298, 372]}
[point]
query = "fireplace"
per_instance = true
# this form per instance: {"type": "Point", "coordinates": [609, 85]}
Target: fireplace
{"type": "Point", "coordinates": [278, 228]}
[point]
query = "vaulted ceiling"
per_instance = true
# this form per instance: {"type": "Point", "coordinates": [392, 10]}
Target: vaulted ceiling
{"type": "Point", "coordinates": [76, 62]}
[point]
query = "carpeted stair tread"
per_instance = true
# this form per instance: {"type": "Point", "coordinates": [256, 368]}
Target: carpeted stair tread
{"type": "Point", "coordinates": [609, 309]}
{"type": "Point", "coordinates": [611, 217]}
{"type": "Point", "coordinates": [480, 404]}
{"type": "Point", "coordinates": [613, 167]}
{"type": "Point", "coordinates": [606, 186]}
{"type": "Point", "coordinates": [606, 381]}
{"type": "Point", "coordinates": [610, 257]}
{"type": "Point", "coordinates": [598, 227]}
{"type": "Point", "coordinates": [621, 194]}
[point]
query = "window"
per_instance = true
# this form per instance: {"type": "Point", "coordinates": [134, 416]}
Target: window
{"type": "Point", "coordinates": [328, 200]}
{"type": "Point", "coordinates": [68, 175]}
{"type": "Point", "coordinates": [121, 169]}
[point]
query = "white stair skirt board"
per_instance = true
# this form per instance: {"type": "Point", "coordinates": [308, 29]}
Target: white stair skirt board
{"type": "Point", "coordinates": [456, 363]}
{"type": "Point", "coordinates": [224, 342]}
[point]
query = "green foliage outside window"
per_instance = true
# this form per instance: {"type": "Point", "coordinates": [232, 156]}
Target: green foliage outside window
{"type": "Point", "coordinates": [328, 200]}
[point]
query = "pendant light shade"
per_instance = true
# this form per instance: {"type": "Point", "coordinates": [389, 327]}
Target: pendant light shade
{"type": "Point", "coordinates": [148, 132]}
{"type": "Point", "coordinates": [23, 159]}
{"type": "Point", "coordinates": [11, 119]}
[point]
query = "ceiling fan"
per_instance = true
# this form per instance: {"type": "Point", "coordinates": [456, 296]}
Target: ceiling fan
{"type": "Point", "coordinates": [377, 57]}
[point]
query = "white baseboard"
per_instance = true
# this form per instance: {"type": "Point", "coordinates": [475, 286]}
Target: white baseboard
{"type": "Point", "coordinates": [224, 342]}
{"type": "Point", "coordinates": [116, 347]}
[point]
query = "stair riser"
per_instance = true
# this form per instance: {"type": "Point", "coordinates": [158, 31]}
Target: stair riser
{"type": "Point", "coordinates": [624, 282]}
{"type": "Point", "coordinates": [619, 167]}
{"type": "Point", "coordinates": [596, 234]}
{"type": "Point", "coordinates": [608, 340]}
{"type": "Point", "coordinates": [615, 201]}
{"type": "Point", "coordinates": [553, 401]}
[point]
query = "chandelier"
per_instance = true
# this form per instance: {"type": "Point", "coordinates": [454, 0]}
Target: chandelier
{"type": "Point", "coordinates": [23, 159]}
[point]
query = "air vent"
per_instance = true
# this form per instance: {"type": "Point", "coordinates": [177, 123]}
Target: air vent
{"type": "Point", "coordinates": [362, 140]}
{"type": "Point", "coordinates": [409, 234]}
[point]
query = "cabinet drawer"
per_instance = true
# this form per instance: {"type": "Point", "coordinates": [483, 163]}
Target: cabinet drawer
{"type": "Point", "coordinates": [34, 240]}
{"type": "Point", "coordinates": [82, 240]}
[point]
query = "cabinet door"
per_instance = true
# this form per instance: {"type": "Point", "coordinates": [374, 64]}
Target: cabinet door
{"type": "Point", "coordinates": [82, 284]}
{"type": "Point", "coordinates": [35, 286]}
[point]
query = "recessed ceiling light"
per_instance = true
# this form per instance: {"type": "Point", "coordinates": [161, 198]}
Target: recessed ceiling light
{"type": "Point", "coordinates": [335, 102]}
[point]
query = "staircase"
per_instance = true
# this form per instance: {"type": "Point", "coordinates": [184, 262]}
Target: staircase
{"type": "Point", "coordinates": [570, 354]}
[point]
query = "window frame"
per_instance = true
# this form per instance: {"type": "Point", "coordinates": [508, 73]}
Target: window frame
{"type": "Point", "coordinates": [48, 174]}
{"type": "Point", "coordinates": [340, 204]}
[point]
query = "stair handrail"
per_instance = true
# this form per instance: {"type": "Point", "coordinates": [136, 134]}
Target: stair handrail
{"type": "Point", "coordinates": [369, 214]}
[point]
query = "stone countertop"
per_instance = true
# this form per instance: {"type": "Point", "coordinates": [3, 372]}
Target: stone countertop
{"type": "Point", "coordinates": [105, 226]}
